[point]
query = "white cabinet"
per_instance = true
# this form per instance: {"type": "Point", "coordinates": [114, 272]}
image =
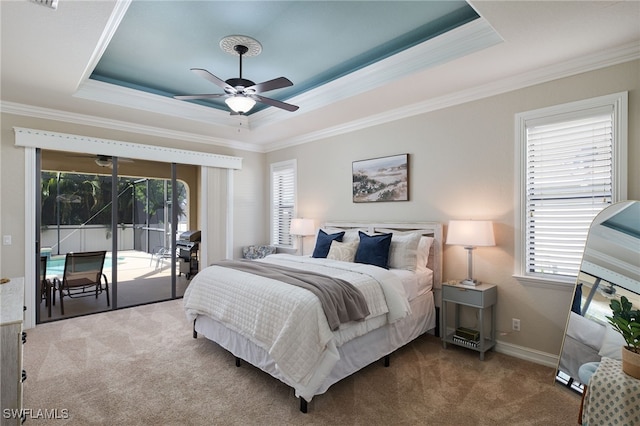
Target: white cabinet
{"type": "Point", "coordinates": [11, 340]}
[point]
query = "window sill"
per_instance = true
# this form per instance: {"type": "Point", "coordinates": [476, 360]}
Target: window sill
{"type": "Point", "coordinates": [539, 282]}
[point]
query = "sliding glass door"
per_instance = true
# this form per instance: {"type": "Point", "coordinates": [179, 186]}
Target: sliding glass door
{"type": "Point", "coordinates": [135, 210]}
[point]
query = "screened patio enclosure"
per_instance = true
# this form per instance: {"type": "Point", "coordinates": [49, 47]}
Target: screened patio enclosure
{"type": "Point", "coordinates": [76, 209]}
{"type": "Point", "coordinates": [135, 219]}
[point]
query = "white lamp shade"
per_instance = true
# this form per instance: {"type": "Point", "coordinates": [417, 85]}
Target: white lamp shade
{"type": "Point", "coordinates": [240, 103]}
{"type": "Point", "coordinates": [471, 233]}
{"type": "Point", "coordinates": [302, 227]}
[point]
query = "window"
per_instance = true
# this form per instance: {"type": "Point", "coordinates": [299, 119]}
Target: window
{"type": "Point", "coordinates": [572, 164]}
{"type": "Point", "coordinates": [283, 205]}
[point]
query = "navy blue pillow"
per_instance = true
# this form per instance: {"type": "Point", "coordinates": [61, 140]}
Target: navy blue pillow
{"type": "Point", "coordinates": [323, 243]}
{"type": "Point", "coordinates": [374, 249]}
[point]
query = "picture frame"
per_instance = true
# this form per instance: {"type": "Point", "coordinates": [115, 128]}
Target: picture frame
{"type": "Point", "coordinates": [381, 179]}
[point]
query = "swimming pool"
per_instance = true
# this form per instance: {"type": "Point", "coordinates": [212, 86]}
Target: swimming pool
{"type": "Point", "coordinates": [55, 265]}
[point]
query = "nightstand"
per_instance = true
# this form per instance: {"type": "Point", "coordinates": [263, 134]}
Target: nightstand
{"type": "Point", "coordinates": [481, 297]}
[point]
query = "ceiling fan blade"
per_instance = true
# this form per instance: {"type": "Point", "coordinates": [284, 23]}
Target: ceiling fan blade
{"type": "Point", "coordinates": [207, 96]}
{"type": "Point", "coordinates": [265, 86]}
{"type": "Point", "coordinates": [215, 80]}
{"type": "Point", "coordinates": [275, 103]}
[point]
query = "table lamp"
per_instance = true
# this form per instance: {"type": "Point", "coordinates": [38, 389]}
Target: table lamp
{"type": "Point", "coordinates": [301, 228]}
{"type": "Point", "coordinates": [470, 234]}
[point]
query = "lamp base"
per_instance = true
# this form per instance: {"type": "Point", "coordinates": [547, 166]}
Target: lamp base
{"type": "Point", "coordinates": [470, 281]}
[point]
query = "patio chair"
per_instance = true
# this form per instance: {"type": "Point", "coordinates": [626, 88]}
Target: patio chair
{"type": "Point", "coordinates": [159, 254]}
{"type": "Point", "coordinates": [83, 276]}
{"type": "Point", "coordinates": [45, 285]}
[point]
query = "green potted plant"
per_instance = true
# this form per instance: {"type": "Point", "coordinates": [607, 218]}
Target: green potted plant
{"type": "Point", "coordinates": [626, 321]}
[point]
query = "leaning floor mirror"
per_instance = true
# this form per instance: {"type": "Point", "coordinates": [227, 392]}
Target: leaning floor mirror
{"type": "Point", "coordinates": [610, 269]}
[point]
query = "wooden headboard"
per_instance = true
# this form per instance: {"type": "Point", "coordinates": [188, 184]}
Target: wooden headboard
{"type": "Point", "coordinates": [430, 229]}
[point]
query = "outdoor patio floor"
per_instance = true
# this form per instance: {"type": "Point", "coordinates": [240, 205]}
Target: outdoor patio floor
{"type": "Point", "coordinates": [141, 279]}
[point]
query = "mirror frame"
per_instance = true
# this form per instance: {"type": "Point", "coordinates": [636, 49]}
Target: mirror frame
{"type": "Point", "coordinates": [610, 268]}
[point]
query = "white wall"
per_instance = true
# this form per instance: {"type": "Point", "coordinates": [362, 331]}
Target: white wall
{"type": "Point", "coordinates": [462, 166]}
{"type": "Point", "coordinates": [85, 238]}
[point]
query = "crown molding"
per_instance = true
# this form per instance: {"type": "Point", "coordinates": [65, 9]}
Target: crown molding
{"type": "Point", "coordinates": [99, 91]}
{"type": "Point", "coordinates": [116, 17]}
{"type": "Point", "coordinates": [603, 59]}
{"type": "Point", "coordinates": [89, 120]}
{"type": "Point", "coordinates": [464, 40]}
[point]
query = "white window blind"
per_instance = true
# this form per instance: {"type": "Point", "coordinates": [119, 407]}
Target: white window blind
{"type": "Point", "coordinates": [283, 196]}
{"type": "Point", "coordinates": [571, 162]}
{"type": "Point", "coordinates": [569, 180]}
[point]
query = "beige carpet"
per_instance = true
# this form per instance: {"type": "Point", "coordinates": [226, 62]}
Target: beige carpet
{"type": "Point", "coordinates": [141, 366]}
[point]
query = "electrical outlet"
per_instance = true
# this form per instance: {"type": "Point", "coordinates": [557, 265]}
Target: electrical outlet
{"type": "Point", "coordinates": [515, 324]}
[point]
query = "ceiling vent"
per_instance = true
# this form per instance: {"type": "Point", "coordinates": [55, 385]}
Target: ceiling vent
{"type": "Point", "coordinates": [53, 4]}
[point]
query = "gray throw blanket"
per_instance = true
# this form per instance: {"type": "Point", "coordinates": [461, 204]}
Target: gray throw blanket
{"type": "Point", "coordinates": [340, 300]}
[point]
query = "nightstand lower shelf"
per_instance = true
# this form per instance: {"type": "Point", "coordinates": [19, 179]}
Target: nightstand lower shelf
{"type": "Point", "coordinates": [488, 343]}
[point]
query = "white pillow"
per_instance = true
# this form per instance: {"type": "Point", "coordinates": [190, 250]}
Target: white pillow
{"type": "Point", "coordinates": [345, 252]}
{"type": "Point", "coordinates": [424, 246]}
{"type": "Point", "coordinates": [612, 344]}
{"type": "Point", "coordinates": [349, 234]}
{"type": "Point", "coordinates": [403, 251]}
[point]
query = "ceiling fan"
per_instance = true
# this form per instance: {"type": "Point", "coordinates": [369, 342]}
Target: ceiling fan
{"type": "Point", "coordinates": [107, 160]}
{"type": "Point", "coordinates": [104, 160]}
{"type": "Point", "coordinates": [241, 94]}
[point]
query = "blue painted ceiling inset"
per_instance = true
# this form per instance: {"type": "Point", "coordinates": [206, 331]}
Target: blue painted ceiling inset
{"type": "Point", "coordinates": [309, 42]}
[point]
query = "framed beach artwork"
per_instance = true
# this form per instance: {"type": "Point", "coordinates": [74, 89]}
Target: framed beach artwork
{"type": "Point", "coordinates": [381, 179]}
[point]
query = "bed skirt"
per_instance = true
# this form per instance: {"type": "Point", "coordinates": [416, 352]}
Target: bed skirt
{"type": "Point", "coordinates": [353, 355]}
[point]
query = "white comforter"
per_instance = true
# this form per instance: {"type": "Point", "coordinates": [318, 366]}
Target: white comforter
{"type": "Point", "coordinates": [288, 321]}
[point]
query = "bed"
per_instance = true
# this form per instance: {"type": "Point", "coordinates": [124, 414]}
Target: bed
{"type": "Point", "coordinates": [287, 331]}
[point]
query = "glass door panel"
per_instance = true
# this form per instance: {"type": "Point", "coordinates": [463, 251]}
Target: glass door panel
{"type": "Point", "coordinates": [147, 266]}
{"type": "Point", "coordinates": [75, 217]}
{"type": "Point", "coordinates": [126, 208]}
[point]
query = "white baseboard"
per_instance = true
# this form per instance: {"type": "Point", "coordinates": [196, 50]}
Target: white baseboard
{"type": "Point", "coordinates": [521, 352]}
{"type": "Point", "coordinates": [527, 354]}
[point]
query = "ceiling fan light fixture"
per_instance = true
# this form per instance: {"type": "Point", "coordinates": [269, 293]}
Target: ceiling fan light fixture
{"type": "Point", "coordinates": [103, 161]}
{"type": "Point", "coordinates": [240, 104]}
